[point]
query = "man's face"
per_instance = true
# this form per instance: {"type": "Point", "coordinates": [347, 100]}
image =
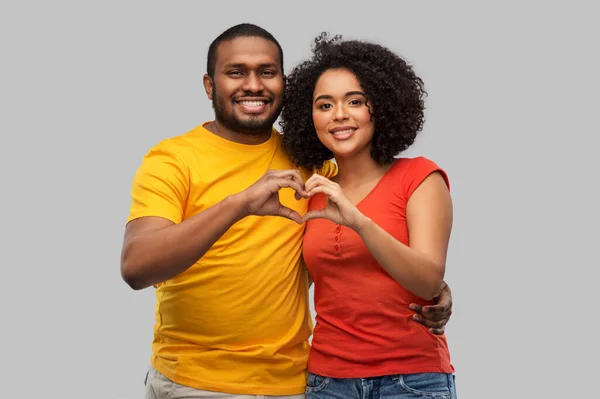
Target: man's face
{"type": "Point", "coordinates": [248, 84]}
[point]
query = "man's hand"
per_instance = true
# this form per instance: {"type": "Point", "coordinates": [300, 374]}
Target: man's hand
{"type": "Point", "coordinates": [262, 198]}
{"type": "Point", "coordinates": [435, 316]}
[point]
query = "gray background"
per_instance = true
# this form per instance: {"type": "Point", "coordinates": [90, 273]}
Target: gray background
{"type": "Point", "coordinates": [87, 89]}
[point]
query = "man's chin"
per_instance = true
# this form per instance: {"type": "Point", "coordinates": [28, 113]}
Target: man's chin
{"type": "Point", "coordinates": [255, 130]}
{"type": "Point", "coordinates": [254, 125]}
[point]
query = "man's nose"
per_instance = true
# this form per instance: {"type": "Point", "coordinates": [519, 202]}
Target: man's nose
{"type": "Point", "coordinates": [252, 83]}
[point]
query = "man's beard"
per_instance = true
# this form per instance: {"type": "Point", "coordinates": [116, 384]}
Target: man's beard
{"type": "Point", "coordinates": [252, 125]}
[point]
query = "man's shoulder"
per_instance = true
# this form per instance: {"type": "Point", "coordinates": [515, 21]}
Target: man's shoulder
{"type": "Point", "coordinates": [328, 170]}
{"type": "Point", "coordinates": [175, 144]}
{"type": "Point", "coordinates": [180, 145]}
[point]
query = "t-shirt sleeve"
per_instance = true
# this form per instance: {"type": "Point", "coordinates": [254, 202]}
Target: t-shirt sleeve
{"type": "Point", "coordinates": [160, 187]}
{"type": "Point", "coordinates": [328, 170]}
{"type": "Point", "coordinates": [418, 171]}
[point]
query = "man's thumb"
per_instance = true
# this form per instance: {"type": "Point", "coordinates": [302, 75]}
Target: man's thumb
{"type": "Point", "coordinates": [289, 214]}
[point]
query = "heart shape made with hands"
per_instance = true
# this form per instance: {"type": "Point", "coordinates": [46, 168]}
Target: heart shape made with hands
{"type": "Point", "coordinates": [337, 209]}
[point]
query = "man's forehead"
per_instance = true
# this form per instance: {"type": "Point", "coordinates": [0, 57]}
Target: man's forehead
{"type": "Point", "coordinates": [249, 51]}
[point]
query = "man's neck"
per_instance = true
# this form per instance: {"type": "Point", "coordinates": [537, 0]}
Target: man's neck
{"type": "Point", "coordinates": [222, 131]}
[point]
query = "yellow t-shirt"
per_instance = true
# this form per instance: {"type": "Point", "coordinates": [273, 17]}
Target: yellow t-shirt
{"type": "Point", "coordinates": [238, 320]}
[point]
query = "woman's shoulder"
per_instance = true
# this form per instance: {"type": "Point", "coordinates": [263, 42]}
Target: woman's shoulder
{"type": "Point", "coordinates": [411, 172]}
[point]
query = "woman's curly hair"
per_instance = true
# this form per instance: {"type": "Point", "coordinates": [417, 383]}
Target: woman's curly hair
{"type": "Point", "coordinates": [395, 97]}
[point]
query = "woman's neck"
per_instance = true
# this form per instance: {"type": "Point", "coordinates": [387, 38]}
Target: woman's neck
{"type": "Point", "coordinates": [359, 169]}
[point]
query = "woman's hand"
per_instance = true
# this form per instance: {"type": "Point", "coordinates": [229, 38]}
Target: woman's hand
{"type": "Point", "coordinates": [338, 209]}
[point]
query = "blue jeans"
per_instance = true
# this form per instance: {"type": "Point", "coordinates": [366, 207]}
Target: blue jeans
{"type": "Point", "coordinates": [400, 386]}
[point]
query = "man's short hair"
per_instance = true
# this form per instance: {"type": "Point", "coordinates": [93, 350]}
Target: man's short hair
{"type": "Point", "coordinates": [241, 30]}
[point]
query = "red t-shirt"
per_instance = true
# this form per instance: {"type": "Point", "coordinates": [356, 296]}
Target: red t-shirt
{"type": "Point", "coordinates": [363, 323]}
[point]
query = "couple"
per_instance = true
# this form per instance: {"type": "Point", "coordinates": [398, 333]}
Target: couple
{"type": "Point", "coordinates": [217, 226]}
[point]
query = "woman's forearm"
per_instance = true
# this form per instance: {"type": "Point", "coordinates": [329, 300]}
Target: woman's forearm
{"type": "Point", "coordinates": [414, 270]}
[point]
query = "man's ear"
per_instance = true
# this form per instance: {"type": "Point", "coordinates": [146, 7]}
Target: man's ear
{"type": "Point", "coordinates": [208, 86]}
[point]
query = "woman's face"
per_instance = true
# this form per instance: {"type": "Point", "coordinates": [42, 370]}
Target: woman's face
{"type": "Point", "coordinates": [340, 114]}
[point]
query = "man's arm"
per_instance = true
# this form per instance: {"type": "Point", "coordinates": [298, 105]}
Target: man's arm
{"type": "Point", "coordinates": [435, 317]}
{"type": "Point", "coordinates": [156, 249]}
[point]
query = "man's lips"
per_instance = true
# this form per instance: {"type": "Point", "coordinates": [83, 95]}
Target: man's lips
{"type": "Point", "coordinates": [252, 105]}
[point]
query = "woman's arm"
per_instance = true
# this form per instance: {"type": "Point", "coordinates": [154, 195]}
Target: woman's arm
{"type": "Point", "coordinates": [419, 267]}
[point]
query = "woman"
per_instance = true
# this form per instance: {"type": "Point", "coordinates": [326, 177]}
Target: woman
{"type": "Point", "coordinates": [362, 104]}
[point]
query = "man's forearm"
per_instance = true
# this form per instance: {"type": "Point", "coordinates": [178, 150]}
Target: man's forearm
{"type": "Point", "coordinates": [151, 257]}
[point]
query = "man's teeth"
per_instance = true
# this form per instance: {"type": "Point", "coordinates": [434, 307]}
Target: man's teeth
{"type": "Point", "coordinates": [253, 103]}
{"type": "Point", "coordinates": [343, 131]}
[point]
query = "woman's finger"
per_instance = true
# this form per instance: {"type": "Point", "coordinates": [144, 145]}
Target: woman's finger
{"type": "Point", "coordinates": [316, 214]}
{"type": "Point", "coordinates": [318, 180]}
{"type": "Point", "coordinates": [328, 191]}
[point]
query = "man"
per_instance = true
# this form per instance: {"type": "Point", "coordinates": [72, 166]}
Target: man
{"type": "Point", "coordinates": [215, 225]}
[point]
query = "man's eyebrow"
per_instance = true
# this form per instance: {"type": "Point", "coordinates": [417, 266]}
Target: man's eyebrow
{"type": "Point", "coordinates": [350, 93]}
{"type": "Point", "coordinates": [242, 65]}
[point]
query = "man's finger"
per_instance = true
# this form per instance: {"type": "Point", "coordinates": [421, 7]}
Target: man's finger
{"type": "Point", "coordinates": [444, 300]}
{"type": "Point", "coordinates": [283, 182]}
{"type": "Point", "coordinates": [288, 174]}
{"type": "Point", "coordinates": [292, 174]}
{"type": "Point", "coordinates": [445, 297]}
{"type": "Point", "coordinates": [435, 316]}
{"type": "Point", "coordinates": [415, 307]}
{"type": "Point", "coordinates": [429, 323]}
{"type": "Point", "coordinates": [289, 214]}
{"type": "Point", "coordinates": [435, 309]}
{"type": "Point", "coordinates": [437, 331]}
{"type": "Point", "coordinates": [432, 312]}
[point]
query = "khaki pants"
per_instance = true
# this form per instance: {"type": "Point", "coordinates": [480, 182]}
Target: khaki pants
{"type": "Point", "coordinates": [160, 387]}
